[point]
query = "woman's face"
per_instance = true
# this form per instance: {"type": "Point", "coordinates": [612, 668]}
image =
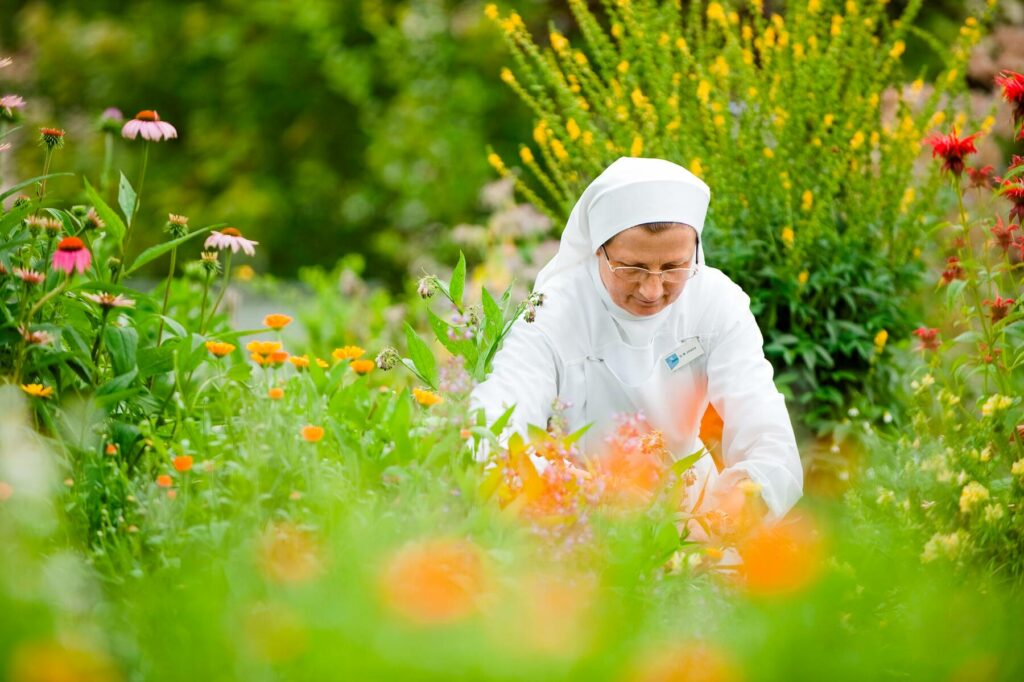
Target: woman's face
{"type": "Point", "coordinates": [675, 247]}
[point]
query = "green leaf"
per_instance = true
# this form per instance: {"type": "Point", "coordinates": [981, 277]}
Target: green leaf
{"type": "Point", "coordinates": [13, 218]}
{"type": "Point", "coordinates": [501, 422]}
{"type": "Point", "coordinates": [152, 361]}
{"type": "Point", "coordinates": [458, 283]}
{"type": "Point", "coordinates": [29, 183]}
{"type": "Point", "coordinates": [122, 344]}
{"type": "Point", "coordinates": [160, 249]}
{"type": "Point", "coordinates": [493, 318]}
{"type": "Point", "coordinates": [114, 224]}
{"type": "Point", "coordinates": [536, 433]}
{"type": "Point", "coordinates": [681, 465]}
{"type": "Point", "coordinates": [240, 373]}
{"type": "Point", "coordinates": [126, 198]}
{"type": "Point", "coordinates": [577, 434]}
{"type": "Point", "coordinates": [422, 357]}
{"type": "Point", "coordinates": [117, 389]}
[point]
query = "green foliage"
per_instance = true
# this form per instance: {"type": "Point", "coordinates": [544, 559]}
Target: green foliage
{"type": "Point", "coordinates": [801, 126]}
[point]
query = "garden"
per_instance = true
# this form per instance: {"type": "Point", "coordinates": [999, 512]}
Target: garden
{"type": "Point", "coordinates": [254, 261]}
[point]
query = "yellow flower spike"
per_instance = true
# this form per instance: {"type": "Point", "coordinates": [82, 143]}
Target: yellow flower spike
{"type": "Point", "coordinates": [813, 6]}
{"type": "Point", "coordinates": [37, 390]}
{"type": "Point", "coordinates": [623, 66]}
{"type": "Point", "coordinates": [720, 67]}
{"type": "Point", "coordinates": [526, 155]}
{"type": "Point", "coordinates": [573, 129]}
{"type": "Point", "coordinates": [857, 141]}
{"type": "Point", "coordinates": [637, 148]}
{"type": "Point", "coordinates": [638, 97]}
{"type": "Point", "coordinates": [898, 48]}
{"type": "Point", "coordinates": [747, 33]}
{"type": "Point", "coordinates": [588, 138]}
{"type": "Point", "coordinates": [558, 41]}
{"type": "Point", "coordinates": [788, 236]}
{"type": "Point", "coordinates": [937, 119]}
{"type": "Point", "coordinates": [491, 11]}
{"type": "Point", "coordinates": [496, 162]}
{"type": "Point", "coordinates": [880, 340]}
{"type": "Point", "coordinates": [558, 149]}
{"type": "Point", "coordinates": [851, 7]}
{"type": "Point", "coordinates": [696, 167]}
{"type": "Point", "coordinates": [803, 277]}
{"type": "Point", "coordinates": [952, 76]}
{"type": "Point", "coordinates": [837, 26]}
{"type": "Point", "coordinates": [681, 45]}
{"type": "Point", "coordinates": [580, 58]}
{"type": "Point", "coordinates": [987, 124]}
{"type": "Point", "coordinates": [704, 92]}
{"type": "Point", "coordinates": [540, 133]}
{"type": "Point", "coordinates": [807, 200]}
{"type": "Point", "coordinates": [616, 30]}
{"type": "Point", "coordinates": [716, 12]}
{"type": "Point", "coordinates": [734, 18]}
{"type": "Point", "coordinates": [507, 75]}
{"type": "Point", "coordinates": [798, 50]}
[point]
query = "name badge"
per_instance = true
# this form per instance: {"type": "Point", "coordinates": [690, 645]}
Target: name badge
{"type": "Point", "coordinates": [689, 351]}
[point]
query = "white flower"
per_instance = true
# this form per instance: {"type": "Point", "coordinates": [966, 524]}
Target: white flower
{"type": "Point", "coordinates": [230, 238]}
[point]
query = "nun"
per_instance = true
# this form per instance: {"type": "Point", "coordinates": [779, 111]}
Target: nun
{"type": "Point", "coordinates": [634, 321]}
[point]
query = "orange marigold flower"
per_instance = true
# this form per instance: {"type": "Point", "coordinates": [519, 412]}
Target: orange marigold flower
{"type": "Point", "coordinates": [274, 359]}
{"type": "Point", "coordinates": [362, 366]}
{"type": "Point", "coordinates": [426, 398]}
{"type": "Point", "coordinates": [164, 481]}
{"type": "Point", "coordinates": [276, 321]}
{"type": "Point", "coordinates": [182, 463]}
{"type": "Point", "coordinates": [37, 390]}
{"type": "Point", "coordinates": [276, 393]}
{"type": "Point", "coordinates": [300, 361]}
{"type": "Point", "coordinates": [171, 494]}
{"type": "Point", "coordinates": [783, 558]}
{"type": "Point", "coordinates": [111, 449]}
{"type": "Point", "coordinates": [347, 353]}
{"type": "Point", "coordinates": [434, 582]}
{"type": "Point", "coordinates": [312, 434]}
{"type": "Point", "coordinates": [263, 347]}
{"type": "Point", "coordinates": [219, 348]}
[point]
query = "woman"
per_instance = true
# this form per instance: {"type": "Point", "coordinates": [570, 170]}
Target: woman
{"type": "Point", "coordinates": [633, 321]}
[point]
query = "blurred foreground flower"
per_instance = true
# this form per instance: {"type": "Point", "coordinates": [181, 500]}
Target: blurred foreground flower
{"type": "Point", "coordinates": [312, 434]}
{"type": "Point", "coordinates": [783, 558]}
{"type": "Point", "coordinates": [148, 124]}
{"type": "Point", "coordinates": [425, 397]}
{"type": "Point", "coordinates": [71, 255]}
{"type": "Point", "coordinates": [434, 582]}
{"type": "Point", "coordinates": [289, 554]}
{"type": "Point", "coordinates": [107, 300]}
{"type": "Point", "coordinates": [689, 662]}
{"type": "Point", "coordinates": [51, 661]}
{"type": "Point", "coordinates": [219, 348]}
{"type": "Point", "coordinates": [182, 463]}
{"type": "Point", "coordinates": [9, 104]}
{"type": "Point", "coordinates": [362, 366]}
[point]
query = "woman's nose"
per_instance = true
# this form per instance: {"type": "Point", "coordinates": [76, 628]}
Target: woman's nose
{"type": "Point", "coordinates": [651, 289]}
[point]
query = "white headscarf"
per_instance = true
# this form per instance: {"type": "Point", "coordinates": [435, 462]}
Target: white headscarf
{"type": "Point", "coordinates": [628, 193]}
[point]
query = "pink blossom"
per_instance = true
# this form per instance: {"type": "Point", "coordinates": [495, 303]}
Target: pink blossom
{"type": "Point", "coordinates": [71, 255]}
{"type": "Point", "coordinates": [8, 103]}
{"type": "Point", "coordinates": [107, 300]}
{"type": "Point", "coordinates": [148, 124]}
{"type": "Point", "coordinates": [29, 276]}
{"type": "Point", "coordinates": [230, 238]}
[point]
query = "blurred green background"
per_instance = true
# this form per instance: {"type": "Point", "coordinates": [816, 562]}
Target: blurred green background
{"type": "Point", "coordinates": [318, 127]}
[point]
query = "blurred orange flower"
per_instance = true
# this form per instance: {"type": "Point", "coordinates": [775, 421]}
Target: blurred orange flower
{"type": "Point", "coordinates": [274, 359]}
{"type": "Point", "coordinates": [426, 398]}
{"type": "Point", "coordinates": [300, 361]}
{"type": "Point", "coordinates": [275, 393]}
{"type": "Point", "coordinates": [289, 554]}
{"type": "Point", "coordinates": [312, 433]}
{"type": "Point", "coordinates": [182, 463]}
{"type": "Point", "coordinates": [37, 390]}
{"type": "Point", "coordinates": [276, 321]}
{"type": "Point", "coordinates": [435, 581]}
{"type": "Point", "coordinates": [362, 366]}
{"type": "Point", "coordinates": [164, 481]}
{"type": "Point", "coordinates": [689, 662]}
{"type": "Point", "coordinates": [783, 558]}
{"type": "Point", "coordinates": [219, 348]}
{"type": "Point", "coordinates": [347, 353]}
{"type": "Point", "coordinates": [46, 661]}
{"type": "Point", "coordinates": [263, 347]}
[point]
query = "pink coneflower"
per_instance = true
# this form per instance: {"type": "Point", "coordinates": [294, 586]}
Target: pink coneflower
{"type": "Point", "coordinates": [111, 120]}
{"type": "Point", "coordinates": [29, 276]}
{"type": "Point", "coordinates": [71, 255]}
{"type": "Point", "coordinates": [1013, 92]}
{"type": "Point", "coordinates": [8, 105]}
{"type": "Point", "coordinates": [148, 124]}
{"type": "Point", "coordinates": [230, 238]}
{"type": "Point", "coordinates": [107, 300]}
{"type": "Point", "coordinates": [999, 307]}
{"type": "Point", "coordinates": [929, 338]}
{"type": "Point", "coordinates": [35, 338]}
{"type": "Point", "coordinates": [952, 149]}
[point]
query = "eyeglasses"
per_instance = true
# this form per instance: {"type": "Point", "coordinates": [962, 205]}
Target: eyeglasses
{"type": "Point", "coordinates": [636, 275]}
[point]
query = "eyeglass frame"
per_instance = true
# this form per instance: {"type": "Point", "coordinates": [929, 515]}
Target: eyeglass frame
{"type": "Point", "coordinates": [693, 269]}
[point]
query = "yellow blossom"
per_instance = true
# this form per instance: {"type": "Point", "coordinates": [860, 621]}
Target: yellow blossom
{"type": "Point", "coordinates": [37, 390]}
{"type": "Point", "coordinates": [573, 129]}
{"type": "Point", "coordinates": [813, 6]}
{"type": "Point", "coordinates": [496, 162]}
{"type": "Point", "coordinates": [751, 92]}
{"type": "Point", "coordinates": [716, 12]}
{"type": "Point", "coordinates": [874, 139]}
{"type": "Point", "coordinates": [637, 96]}
{"type": "Point", "coordinates": [746, 32]}
{"type": "Point", "coordinates": [803, 277]}
{"type": "Point", "coordinates": [880, 339]}
{"type": "Point", "coordinates": [623, 66]}
{"type": "Point", "coordinates": [837, 26]}
{"type": "Point", "coordinates": [807, 200]}
{"type": "Point", "coordinates": [1017, 468]}
{"type": "Point", "coordinates": [616, 30]}
{"type": "Point", "coordinates": [944, 546]}
{"type": "Point", "coordinates": [916, 86]}
{"type": "Point", "coordinates": [788, 236]}
{"type": "Point", "coordinates": [588, 138]}
{"type": "Point", "coordinates": [558, 41]}
{"type": "Point", "coordinates": [748, 57]}
{"type": "Point", "coordinates": [798, 50]}
{"type": "Point", "coordinates": [663, 39]}
{"type": "Point", "coordinates": [995, 403]}
{"type": "Point", "coordinates": [857, 140]}
{"type": "Point", "coordinates": [768, 153]}
{"type": "Point", "coordinates": [347, 353]}
{"type": "Point", "coordinates": [971, 496]}
{"type": "Point", "coordinates": [993, 513]}
{"type": "Point", "coordinates": [720, 67]}
{"type": "Point", "coordinates": [540, 133]}
{"type": "Point", "coordinates": [426, 398]}
{"type": "Point", "coordinates": [681, 45]}
{"type": "Point", "coordinates": [987, 124]}
{"type": "Point", "coordinates": [674, 124]}
{"type": "Point", "coordinates": [696, 167]}
{"type": "Point", "coordinates": [558, 149]}
{"type": "Point", "coordinates": [526, 155]}
{"type": "Point", "coordinates": [704, 91]}
{"type": "Point", "coordinates": [580, 58]}
{"type": "Point", "coordinates": [491, 11]}
{"type": "Point", "coordinates": [734, 18]}
{"type": "Point", "coordinates": [898, 49]}
{"type": "Point", "coordinates": [851, 7]}
{"type": "Point", "coordinates": [673, 102]}
{"type": "Point", "coordinates": [828, 120]}
{"type": "Point", "coordinates": [637, 148]}
{"type": "Point", "coordinates": [719, 121]}
{"type": "Point", "coordinates": [951, 76]}
{"type": "Point", "coordinates": [507, 76]}
{"type": "Point", "coordinates": [908, 198]}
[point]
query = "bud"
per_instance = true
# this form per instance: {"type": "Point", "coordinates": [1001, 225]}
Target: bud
{"type": "Point", "coordinates": [79, 211]}
{"type": "Point", "coordinates": [211, 264]}
{"type": "Point", "coordinates": [93, 220]}
{"type": "Point", "coordinates": [537, 299]}
{"type": "Point", "coordinates": [427, 287]}
{"type": "Point", "coordinates": [114, 265]}
{"type": "Point", "coordinates": [388, 358]}
{"type": "Point", "coordinates": [176, 225]}
{"type": "Point", "coordinates": [111, 120]}
{"type": "Point", "coordinates": [51, 138]}
{"type": "Point", "coordinates": [531, 313]}
{"type": "Point", "coordinates": [21, 200]}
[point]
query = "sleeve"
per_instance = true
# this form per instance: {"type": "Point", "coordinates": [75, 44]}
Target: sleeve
{"type": "Point", "coordinates": [525, 374]}
{"type": "Point", "coordinates": [757, 436]}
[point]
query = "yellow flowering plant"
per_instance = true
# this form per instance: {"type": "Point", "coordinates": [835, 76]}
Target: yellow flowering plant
{"type": "Point", "coordinates": [804, 126]}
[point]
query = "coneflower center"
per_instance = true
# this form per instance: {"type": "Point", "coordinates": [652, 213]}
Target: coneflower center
{"type": "Point", "coordinates": [147, 115]}
{"type": "Point", "coordinates": [70, 244]}
{"type": "Point", "coordinates": [231, 232]}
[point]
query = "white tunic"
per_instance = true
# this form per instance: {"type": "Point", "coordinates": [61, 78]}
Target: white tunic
{"type": "Point", "coordinates": [705, 347]}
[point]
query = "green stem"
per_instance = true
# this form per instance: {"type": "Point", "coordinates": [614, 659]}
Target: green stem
{"type": "Point", "coordinates": [46, 171]}
{"type": "Point", "coordinates": [202, 306]}
{"type": "Point", "coordinates": [135, 207]}
{"type": "Point", "coordinates": [220, 295]}
{"type": "Point", "coordinates": [99, 336]}
{"type": "Point", "coordinates": [108, 162]}
{"type": "Point", "coordinates": [167, 295]}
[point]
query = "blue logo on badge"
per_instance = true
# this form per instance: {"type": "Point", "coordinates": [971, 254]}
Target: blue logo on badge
{"type": "Point", "coordinates": [672, 361]}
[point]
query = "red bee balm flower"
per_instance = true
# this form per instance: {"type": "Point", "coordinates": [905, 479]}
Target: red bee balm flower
{"type": "Point", "coordinates": [999, 307]}
{"type": "Point", "coordinates": [71, 255]}
{"type": "Point", "coordinates": [980, 177]}
{"type": "Point", "coordinates": [952, 149]}
{"type": "Point", "coordinates": [1003, 233]}
{"type": "Point", "coordinates": [929, 338]}
{"type": "Point", "coordinates": [148, 124]}
{"type": "Point", "coordinates": [952, 271]}
{"type": "Point", "coordinates": [1013, 189]}
{"type": "Point", "coordinates": [1013, 92]}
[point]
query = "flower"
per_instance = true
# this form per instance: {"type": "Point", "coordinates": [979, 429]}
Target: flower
{"type": "Point", "coordinates": [37, 390]}
{"type": "Point", "coordinates": [426, 287]}
{"type": "Point", "coordinates": [788, 236]}
{"type": "Point", "coordinates": [275, 393]}
{"type": "Point", "coordinates": [263, 347]}
{"type": "Point", "coordinates": [784, 558]}
{"type": "Point", "coordinates": [1013, 189]}
{"type": "Point", "coordinates": [880, 340]}
{"type": "Point", "coordinates": [176, 225]}
{"type": "Point", "coordinates": [953, 270]}
{"type": "Point", "coordinates": [322, 364]}
{"type": "Point", "coordinates": [164, 481]}
{"type": "Point", "coordinates": [219, 348]}
{"type": "Point", "coordinates": [34, 338]}
{"type": "Point", "coordinates": [971, 496]}
{"type": "Point", "coordinates": [944, 546]}
{"type": "Point", "coordinates": [93, 220]}
{"type": "Point", "coordinates": [347, 353]}
{"type": "Point", "coordinates": [995, 403]}
{"type": "Point", "coordinates": [51, 138]}
{"type": "Point", "coordinates": [1013, 92]}
{"type": "Point", "coordinates": [929, 338]}
{"type": "Point", "coordinates": [1017, 468]}
{"type": "Point", "coordinates": [289, 554]}
{"type": "Point", "coordinates": [230, 238]}
{"type": "Point", "coordinates": [980, 177]}
{"type": "Point", "coordinates": [111, 120]}
{"type": "Point", "coordinates": [312, 434]}
{"type": "Point", "coordinates": [111, 449]}
{"type": "Point", "coordinates": [433, 582]}
{"type": "Point", "coordinates": [952, 149]}
{"type": "Point", "coordinates": [107, 300]}
{"type": "Point", "coordinates": [273, 359]}
{"type": "Point", "coordinates": [300, 361]}
{"type": "Point", "coordinates": [388, 358]}
{"type": "Point", "coordinates": [688, 661]}
{"type": "Point", "coordinates": [29, 276]}
{"type": "Point", "coordinates": [362, 366]}
{"type": "Point", "coordinates": [182, 463]}
{"type": "Point", "coordinates": [999, 307]}
{"type": "Point", "coordinates": [1003, 233]}
{"type": "Point", "coordinates": [8, 105]}
{"type": "Point", "coordinates": [803, 277]}
{"type": "Point", "coordinates": [148, 124]}
{"type": "Point", "coordinates": [276, 321]}
{"type": "Point", "coordinates": [71, 255]}
{"type": "Point", "coordinates": [426, 398]}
